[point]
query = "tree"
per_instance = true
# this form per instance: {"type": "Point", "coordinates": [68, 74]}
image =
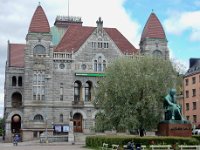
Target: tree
{"type": "Point", "coordinates": [131, 94]}
{"type": "Point", "coordinates": [1, 126]}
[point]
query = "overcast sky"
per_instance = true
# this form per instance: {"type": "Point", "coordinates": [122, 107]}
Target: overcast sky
{"type": "Point", "coordinates": [180, 19]}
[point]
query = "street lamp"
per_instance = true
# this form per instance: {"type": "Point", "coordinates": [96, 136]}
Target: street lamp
{"type": "Point", "coordinates": [46, 130]}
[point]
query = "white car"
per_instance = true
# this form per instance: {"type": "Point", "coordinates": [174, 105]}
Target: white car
{"type": "Point", "coordinates": [196, 131]}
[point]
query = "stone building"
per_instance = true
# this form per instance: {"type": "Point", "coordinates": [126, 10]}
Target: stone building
{"type": "Point", "coordinates": [51, 79]}
{"type": "Point", "coordinates": [191, 92]}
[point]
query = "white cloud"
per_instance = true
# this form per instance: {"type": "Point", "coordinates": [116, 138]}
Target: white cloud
{"type": "Point", "coordinates": [15, 17]}
{"type": "Point", "coordinates": [178, 23]}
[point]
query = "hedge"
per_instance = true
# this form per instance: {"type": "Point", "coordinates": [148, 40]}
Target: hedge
{"type": "Point", "coordinates": [97, 141]}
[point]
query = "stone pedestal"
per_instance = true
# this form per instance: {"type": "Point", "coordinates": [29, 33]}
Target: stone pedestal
{"type": "Point", "coordinates": [71, 133]}
{"type": "Point", "coordinates": [174, 129]}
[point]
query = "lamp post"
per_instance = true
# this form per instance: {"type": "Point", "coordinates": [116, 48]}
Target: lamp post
{"type": "Point", "coordinates": [46, 130]}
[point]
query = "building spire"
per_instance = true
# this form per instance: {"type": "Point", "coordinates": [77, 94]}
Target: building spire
{"type": "Point", "coordinates": [39, 4]}
{"type": "Point", "coordinates": [39, 22]}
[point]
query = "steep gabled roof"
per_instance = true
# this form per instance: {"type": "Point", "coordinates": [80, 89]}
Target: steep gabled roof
{"type": "Point", "coordinates": [16, 55]}
{"type": "Point", "coordinates": [153, 28]}
{"type": "Point", "coordinates": [122, 43]}
{"type": "Point", "coordinates": [75, 36]}
{"type": "Point", "coordinates": [39, 22]}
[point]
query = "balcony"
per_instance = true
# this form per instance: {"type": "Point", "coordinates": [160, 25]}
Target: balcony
{"type": "Point", "coordinates": [78, 104]}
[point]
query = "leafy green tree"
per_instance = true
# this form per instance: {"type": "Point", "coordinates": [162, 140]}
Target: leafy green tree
{"type": "Point", "coordinates": [131, 94]}
{"type": "Point", "coordinates": [1, 126]}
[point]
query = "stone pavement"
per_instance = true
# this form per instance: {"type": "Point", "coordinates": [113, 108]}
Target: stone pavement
{"type": "Point", "coordinates": [35, 145]}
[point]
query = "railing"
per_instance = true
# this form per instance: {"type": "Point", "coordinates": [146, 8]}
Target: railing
{"type": "Point", "coordinates": [189, 147]}
{"type": "Point", "coordinates": [159, 147]}
{"type": "Point", "coordinates": [62, 56]}
{"type": "Point", "coordinates": [54, 139]}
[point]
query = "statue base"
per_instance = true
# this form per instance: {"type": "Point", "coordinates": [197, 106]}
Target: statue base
{"type": "Point", "coordinates": [174, 128]}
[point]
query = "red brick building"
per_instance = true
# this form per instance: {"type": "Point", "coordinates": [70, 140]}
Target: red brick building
{"type": "Point", "coordinates": [191, 89]}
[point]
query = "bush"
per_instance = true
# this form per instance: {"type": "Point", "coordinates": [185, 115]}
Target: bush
{"type": "Point", "coordinates": [197, 137]}
{"type": "Point", "coordinates": [97, 141]}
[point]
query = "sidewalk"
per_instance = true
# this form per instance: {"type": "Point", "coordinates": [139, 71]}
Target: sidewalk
{"type": "Point", "coordinates": [33, 145]}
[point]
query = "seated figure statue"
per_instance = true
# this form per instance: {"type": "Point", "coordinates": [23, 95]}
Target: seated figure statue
{"type": "Point", "coordinates": [172, 109]}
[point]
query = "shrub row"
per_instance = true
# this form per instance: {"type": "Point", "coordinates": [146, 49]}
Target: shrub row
{"type": "Point", "coordinates": [97, 141]}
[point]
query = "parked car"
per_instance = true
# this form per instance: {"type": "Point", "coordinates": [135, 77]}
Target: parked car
{"type": "Point", "coordinates": [196, 131]}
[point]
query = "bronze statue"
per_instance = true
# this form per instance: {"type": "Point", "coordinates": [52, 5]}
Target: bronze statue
{"type": "Point", "coordinates": [172, 109]}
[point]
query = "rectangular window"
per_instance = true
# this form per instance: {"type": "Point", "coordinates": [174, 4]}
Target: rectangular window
{"type": "Point", "coordinates": [186, 94]}
{"type": "Point", "coordinates": [187, 106]}
{"type": "Point", "coordinates": [186, 82]}
{"type": "Point", "coordinates": [105, 45]}
{"type": "Point", "coordinates": [188, 117]}
{"type": "Point", "coordinates": [193, 80]}
{"type": "Point", "coordinates": [93, 45]}
{"type": "Point", "coordinates": [194, 118]}
{"type": "Point", "coordinates": [194, 105]}
{"type": "Point", "coordinates": [193, 92]}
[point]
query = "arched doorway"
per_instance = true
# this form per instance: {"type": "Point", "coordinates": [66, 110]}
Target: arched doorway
{"type": "Point", "coordinates": [16, 123]}
{"type": "Point", "coordinates": [77, 120]}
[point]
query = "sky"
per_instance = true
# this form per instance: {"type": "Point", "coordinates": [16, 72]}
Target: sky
{"type": "Point", "coordinates": [180, 20]}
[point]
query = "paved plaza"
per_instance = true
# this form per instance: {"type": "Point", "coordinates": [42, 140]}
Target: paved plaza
{"type": "Point", "coordinates": [35, 145]}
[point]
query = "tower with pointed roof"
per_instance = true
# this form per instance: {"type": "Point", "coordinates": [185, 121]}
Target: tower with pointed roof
{"type": "Point", "coordinates": [153, 39]}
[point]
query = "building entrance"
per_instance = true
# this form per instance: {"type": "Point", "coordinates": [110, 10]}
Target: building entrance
{"type": "Point", "coordinates": [16, 123]}
{"type": "Point", "coordinates": [77, 120]}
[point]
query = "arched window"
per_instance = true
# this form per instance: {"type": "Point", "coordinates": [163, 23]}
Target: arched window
{"type": "Point", "coordinates": [88, 87]}
{"type": "Point", "coordinates": [14, 81]}
{"type": "Point", "coordinates": [16, 100]}
{"type": "Point", "coordinates": [61, 117]}
{"type": "Point", "coordinates": [77, 90]}
{"type": "Point", "coordinates": [39, 49]}
{"type": "Point", "coordinates": [20, 81]}
{"type": "Point", "coordinates": [157, 53]}
{"type": "Point", "coordinates": [39, 118]}
{"type": "Point", "coordinates": [99, 63]}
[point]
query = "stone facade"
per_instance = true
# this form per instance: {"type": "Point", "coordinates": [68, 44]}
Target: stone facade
{"type": "Point", "coordinates": [48, 83]}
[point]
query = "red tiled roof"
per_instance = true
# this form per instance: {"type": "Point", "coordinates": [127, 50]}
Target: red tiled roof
{"type": "Point", "coordinates": [153, 28]}
{"type": "Point", "coordinates": [39, 22]}
{"type": "Point", "coordinates": [16, 55]}
{"type": "Point", "coordinates": [75, 36]}
{"type": "Point", "coordinates": [122, 43]}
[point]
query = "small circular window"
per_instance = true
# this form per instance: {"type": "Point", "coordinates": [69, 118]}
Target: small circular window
{"type": "Point", "coordinates": [83, 66]}
{"type": "Point", "coordinates": [62, 66]}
